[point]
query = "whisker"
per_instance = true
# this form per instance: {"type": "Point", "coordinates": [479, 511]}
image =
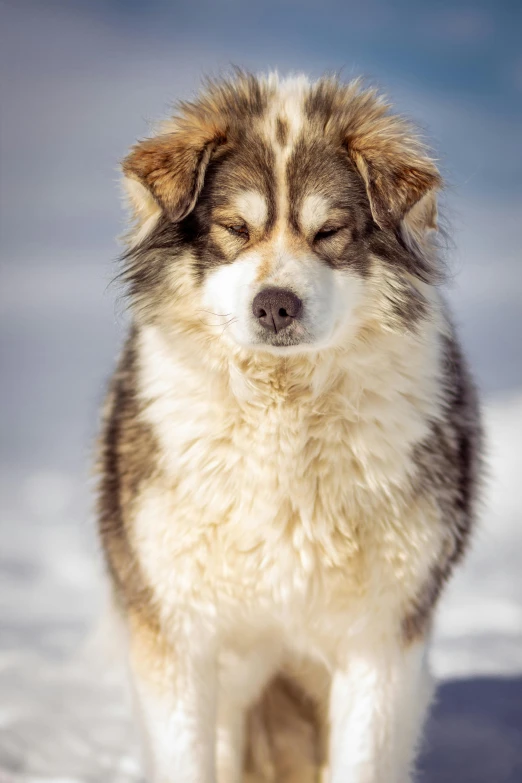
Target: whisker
{"type": "Point", "coordinates": [224, 325]}
{"type": "Point", "coordinates": [219, 315]}
{"type": "Point", "coordinates": [229, 323]}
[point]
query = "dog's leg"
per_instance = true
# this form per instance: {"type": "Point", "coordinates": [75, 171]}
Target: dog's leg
{"type": "Point", "coordinates": [378, 702]}
{"type": "Point", "coordinates": [175, 686]}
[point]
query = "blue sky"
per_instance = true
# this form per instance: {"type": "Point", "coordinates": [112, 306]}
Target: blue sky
{"type": "Point", "coordinates": [467, 48]}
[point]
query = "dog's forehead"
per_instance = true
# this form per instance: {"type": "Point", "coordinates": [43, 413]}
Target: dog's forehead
{"type": "Point", "coordinates": [263, 193]}
{"type": "Point", "coordinates": [282, 163]}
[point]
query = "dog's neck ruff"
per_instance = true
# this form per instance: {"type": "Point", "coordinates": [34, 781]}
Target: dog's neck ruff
{"type": "Point", "coordinates": [376, 362]}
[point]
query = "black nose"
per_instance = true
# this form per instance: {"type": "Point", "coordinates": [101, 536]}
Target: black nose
{"type": "Point", "coordinates": [276, 308]}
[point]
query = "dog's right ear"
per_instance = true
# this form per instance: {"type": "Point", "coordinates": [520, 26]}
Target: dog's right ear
{"type": "Point", "coordinates": [168, 170]}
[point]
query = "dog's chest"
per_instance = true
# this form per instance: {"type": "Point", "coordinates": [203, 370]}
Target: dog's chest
{"type": "Point", "coordinates": [286, 508]}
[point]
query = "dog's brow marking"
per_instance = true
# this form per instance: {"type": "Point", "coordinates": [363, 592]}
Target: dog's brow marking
{"type": "Point", "coordinates": [292, 93]}
{"type": "Point", "coordinates": [252, 207]}
{"type": "Point", "coordinates": [283, 126]}
{"type": "Point", "coordinates": [314, 212]}
{"type": "Point", "coordinates": [281, 130]}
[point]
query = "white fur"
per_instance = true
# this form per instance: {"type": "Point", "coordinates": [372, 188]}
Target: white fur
{"type": "Point", "coordinates": [177, 709]}
{"type": "Point", "coordinates": [288, 105]}
{"type": "Point", "coordinates": [252, 207]}
{"type": "Point", "coordinates": [179, 732]}
{"type": "Point", "coordinates": [330, 297]}
{"type": "Point", "coordinates": [314, 212]}
{"type": "Point", "coordinates": [377, 706]}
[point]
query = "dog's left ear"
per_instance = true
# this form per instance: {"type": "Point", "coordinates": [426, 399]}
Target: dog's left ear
{"type": "Point", "coordinates": [393, 164]}
{"type": "Point", "coordinates": [422, 218]}
{"type": "Point", "coordinates": [395, 185]}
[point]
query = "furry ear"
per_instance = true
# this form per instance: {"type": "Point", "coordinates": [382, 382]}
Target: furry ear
{"type": "Point", "coordinates": [172, 168]}
{"type": "Point", "coordinates": [395, 184]}
{"type": "Point", "coordinates": [422, 218]}
{"type": "Point", "coordinates": [389, 156]}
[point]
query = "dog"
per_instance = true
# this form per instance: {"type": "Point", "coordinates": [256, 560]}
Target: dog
{"type": "Point", "coordinates": [290, 454]}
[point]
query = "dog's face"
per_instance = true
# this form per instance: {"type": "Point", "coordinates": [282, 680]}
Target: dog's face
{"type": "Point", "coordinates": [281, 215]}
{"type": "Point", "coordinates": [284, 250]}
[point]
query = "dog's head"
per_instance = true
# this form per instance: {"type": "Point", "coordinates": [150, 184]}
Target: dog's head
{"type": "Point", "coordinates": [280, 215]}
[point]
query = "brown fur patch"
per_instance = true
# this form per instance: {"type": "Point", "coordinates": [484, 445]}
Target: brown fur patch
{"type": "Point", "coordinates": [150, 654]}
{"type": "Point", "coordinates": [317, 167]}
{"type": "Point", "coordinates": [449, 468]}
{"type": "Point", "coordinates": [282, 131]}
{"type": "Point", "coordinates": [242, 168]}
{"type": "Point", "coordinates": [127, 458]}
{"type": "Point", "coordinates": [386, 149]}
{"type": "Point", "coordinates": [173, 166]}
{"type": "Point", "coordinates": [393, 186]}
{"type": "Point", "coordinates": [285, 734]}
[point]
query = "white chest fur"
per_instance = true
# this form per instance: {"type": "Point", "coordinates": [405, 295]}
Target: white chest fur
{"type": "Point", "coordinates": [285, 502]}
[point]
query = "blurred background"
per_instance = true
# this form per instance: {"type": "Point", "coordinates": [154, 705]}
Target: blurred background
{"type": "Point", "coordinates": [80, 82]}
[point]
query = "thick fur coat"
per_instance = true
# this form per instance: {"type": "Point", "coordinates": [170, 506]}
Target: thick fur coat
{"type": "Point", "coordinates": [290, 450]}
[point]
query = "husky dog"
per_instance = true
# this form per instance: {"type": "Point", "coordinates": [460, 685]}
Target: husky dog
{"type": "Point", "coordinates": [290, 453]}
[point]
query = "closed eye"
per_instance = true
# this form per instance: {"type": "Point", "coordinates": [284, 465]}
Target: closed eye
{"type": "Point", "coordinates": [239, 230]}
{"type": "Point", "coordinates": [326, 232]}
